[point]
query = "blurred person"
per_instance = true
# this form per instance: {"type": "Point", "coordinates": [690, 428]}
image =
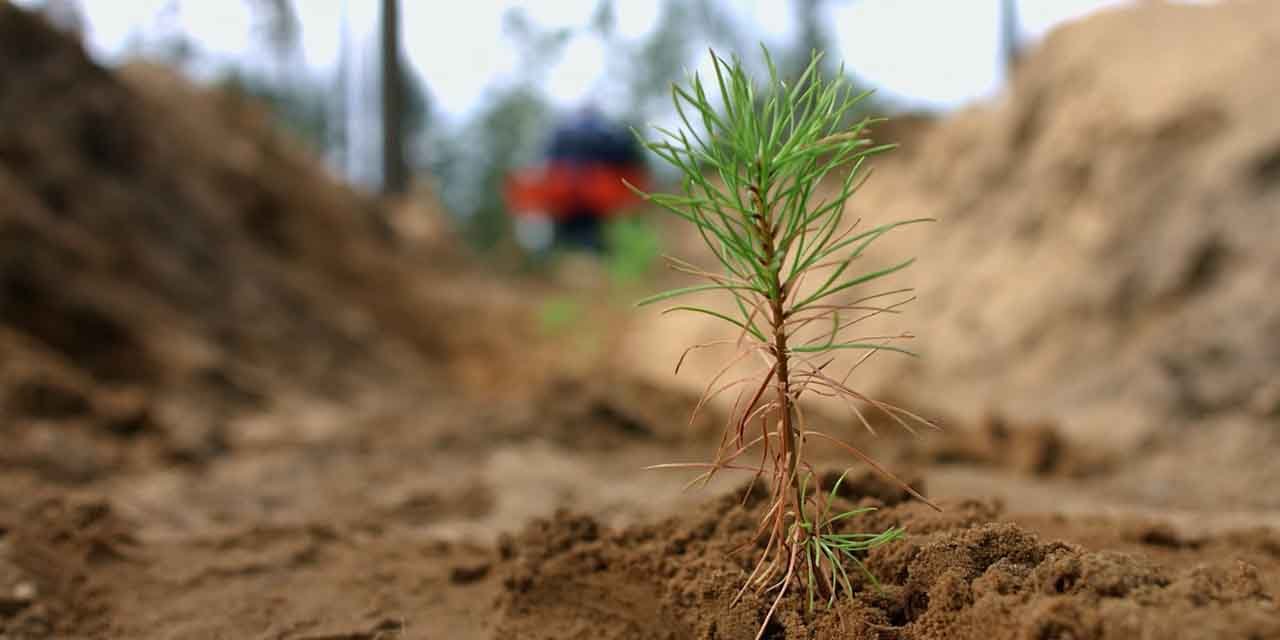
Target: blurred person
{"type": "Point", "coordinates": [565, 200]}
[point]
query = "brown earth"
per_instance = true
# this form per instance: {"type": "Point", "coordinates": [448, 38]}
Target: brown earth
{"type": "Point", "coordinates": [237, 402]}
{"type": "Point", "coordinates": [963, 574]}
{"type": "Point", "coordinates": [1105, 254]}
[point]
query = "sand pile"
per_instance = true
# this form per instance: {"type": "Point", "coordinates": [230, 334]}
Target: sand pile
{"type": "Point", "coordinates": [1106, 250]}
{"type": "Point", "coordinates": [168, 263]}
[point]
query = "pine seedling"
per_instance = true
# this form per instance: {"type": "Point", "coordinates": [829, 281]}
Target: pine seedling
{"type": "Point", "coordinates": [754, 186]}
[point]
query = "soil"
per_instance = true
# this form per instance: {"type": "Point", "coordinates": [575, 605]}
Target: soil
{"type": "Point", "coordinates": [240, 400]}
{"type": "Point", "coordinates": [965, 573]}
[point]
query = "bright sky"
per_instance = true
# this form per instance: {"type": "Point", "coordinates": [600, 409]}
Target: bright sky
{"type": "Point", "coordinates": [936, 53]}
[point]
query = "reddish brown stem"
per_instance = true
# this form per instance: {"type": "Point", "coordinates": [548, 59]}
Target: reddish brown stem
{"type": "Point", "coordinates": [768, 233]}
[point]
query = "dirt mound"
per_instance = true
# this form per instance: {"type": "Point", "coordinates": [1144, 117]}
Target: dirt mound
{"type": "Point", "coordinates": [1105, 246]}
{"type": "Point", "coordinates": [170, 264]}
{"type": "Point", "coordinates": [1105, 251]}
{"type": "Point", "coordinates": [959, 575]}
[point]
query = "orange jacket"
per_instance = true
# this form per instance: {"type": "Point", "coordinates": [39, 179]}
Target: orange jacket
{"type": "Point", "coordinates": [562, 190]}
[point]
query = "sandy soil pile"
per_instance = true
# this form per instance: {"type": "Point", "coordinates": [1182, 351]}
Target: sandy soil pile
{"type": "Point", "coordinates": [1106, 243]}
{"type": "Point", "coordinates": [1106, 247]}
{"type": "Point", "coordinates": [168, 264]}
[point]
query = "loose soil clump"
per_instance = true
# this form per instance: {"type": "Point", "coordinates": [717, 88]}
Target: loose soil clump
{"type": "Point", "coordinates": [964, 573]}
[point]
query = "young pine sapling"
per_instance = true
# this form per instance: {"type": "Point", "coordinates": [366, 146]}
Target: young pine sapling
{"type": "Point", "coordinates": [753, 177]}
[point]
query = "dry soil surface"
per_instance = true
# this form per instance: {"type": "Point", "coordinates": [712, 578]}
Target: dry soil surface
{"type": "Point", "coordinates": [235, 403]}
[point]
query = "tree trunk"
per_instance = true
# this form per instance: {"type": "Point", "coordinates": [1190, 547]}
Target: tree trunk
{"type": "Point", "coordinates": [395, 176]}
{"type": "Point", "coordinates": [1010, 32]}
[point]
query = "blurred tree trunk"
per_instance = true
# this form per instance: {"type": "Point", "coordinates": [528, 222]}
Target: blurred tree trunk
{"type": "Point", "coordinates": [395, 176]}
{"type": "Point", "coordinates": [278, 29]}
{"type": "Point", "coordinates": [1010, 35]}
{"type": "Point", "coordinates": [813, 36]}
